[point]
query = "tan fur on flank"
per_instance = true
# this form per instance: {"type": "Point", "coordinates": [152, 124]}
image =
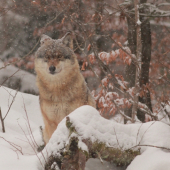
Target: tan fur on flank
{"type": "Point", "coordinates": [64, 90]}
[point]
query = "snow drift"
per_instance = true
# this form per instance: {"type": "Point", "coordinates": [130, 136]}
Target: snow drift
{"type": "Point", "coordinates": [153, 137]}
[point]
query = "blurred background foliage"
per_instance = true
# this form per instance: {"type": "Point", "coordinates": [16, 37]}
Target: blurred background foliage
{"type": "Point", "coordinates": [97, 26]}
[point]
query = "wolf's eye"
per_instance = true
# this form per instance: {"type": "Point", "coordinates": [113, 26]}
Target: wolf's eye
{"type": "Point", "coordinates": [59, 56]}
{"type": "Point", "coordinates": [67, 57]}
{"type": "Point", "coordinates": [46, 58]}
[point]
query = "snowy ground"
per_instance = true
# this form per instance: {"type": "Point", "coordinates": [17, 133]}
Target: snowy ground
{"type": "Point", "coordinates": [22, 79]}
{"type": "Point", "coordinates": [18, 148]}
{"type": "Point", "coordinates": [16, 125]}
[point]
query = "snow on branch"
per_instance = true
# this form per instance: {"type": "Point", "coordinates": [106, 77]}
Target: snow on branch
{"type": "Point", "coordinates": [154, 9]}
{"type": "Point", "coordinates": [123, 53]}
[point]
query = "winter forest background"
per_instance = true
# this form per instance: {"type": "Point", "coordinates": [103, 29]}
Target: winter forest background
{"type": "Point", "coordinates": [123, 50]}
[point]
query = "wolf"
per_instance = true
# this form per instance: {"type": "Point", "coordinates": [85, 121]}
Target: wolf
{"type": "Point", "coordinates": [62, 88]}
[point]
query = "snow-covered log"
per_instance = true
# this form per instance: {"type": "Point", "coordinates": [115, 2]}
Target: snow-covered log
{"type": "Point", "coordinates": [79, 150]}
{"type": "Point", "coordinates": [85, 134]}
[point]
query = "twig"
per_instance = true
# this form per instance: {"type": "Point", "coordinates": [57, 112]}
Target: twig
{"type": "Point", "coordinates": [10, 105]}
{"type": "Point", "coordinates": [145, 132]}
{"type": "Point", "coordinates": [2, 121]}
{"type": "Point", "coordinates": [125, 12]}
{"type": "Point", "coordinates": [7, 92]}
{"type": "Point", "coordinates": [145, 109]}
{"type": "Point", "coordinates": [27, 119]}
{"type": "Point", "coordinates": [148, 112]}
{"type": "Point", "coordinates": [17, 147]}
{"type": "Point", "coordinates": [9, 77]}
{"type": "Point", "coordinates": [117, 138]}
{"type": "Point", "coordinates": [134, 60]}
{"type": "Point", "coordinates": [16, 153]}
{"type": "Point", "coordinates": [31, 145]}
{"type": "Point", "coordinates": [83, 51]}
{"type": "Point", "coordinates": [101, 160]}
{"type": "Point", "coordinates": [30, 130]}
{"type": "Point", "coordinates": [125, 116]}
{"type": "Point", "coordinates": [160, 147]}
{"type": "Point", "coordinates": [138, 133]}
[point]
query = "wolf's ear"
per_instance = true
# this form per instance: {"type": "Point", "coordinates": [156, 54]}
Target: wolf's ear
{"type": "Point", "coordinates": [67, 40]}
{"type": "Point", "coordinates": [44, 39]}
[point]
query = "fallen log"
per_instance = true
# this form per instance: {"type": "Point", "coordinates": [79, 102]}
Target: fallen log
{"type": "Point", "coordinates": [84, 134]}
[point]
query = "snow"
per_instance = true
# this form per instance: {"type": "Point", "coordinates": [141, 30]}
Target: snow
{"type": "Point", "coordinates": [15, 120]}
{"type": "Point", "coordinates": [27, 79]}
{"type": "Point", "coordinates": [154, 9]}
{"type": "Point", "coordinates": [112, 94]}
{"type": "Point", "coordinates": [160, 23]}
{"type": "Point", "coordinates": [88, 123]}
{"type": "Point", "coordinates": [138, 22]}
{"type": "Point", "coordinates": [159, 159]}
{"type": "Point", "coordinates": [167, 107]}
{"type": "Point", "coordinates": [13, 16]}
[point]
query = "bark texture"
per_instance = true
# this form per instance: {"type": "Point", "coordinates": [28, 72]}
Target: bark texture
{"type": "Point", "coordinates": [146, 57]}
{"type": "Point", "coordinates": [130, 70]}
{"type": "Point", "coordinates": [138, 57]}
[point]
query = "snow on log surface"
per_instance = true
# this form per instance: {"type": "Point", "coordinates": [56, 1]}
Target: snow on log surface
{"type": "Point", "coordinates": [90, 125]}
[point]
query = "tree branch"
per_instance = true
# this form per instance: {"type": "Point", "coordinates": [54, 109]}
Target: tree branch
{"type": "Point", "coordinates": [2, 121]}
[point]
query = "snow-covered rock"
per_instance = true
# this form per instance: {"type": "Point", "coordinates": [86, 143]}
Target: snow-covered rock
{"type": "Point", "coordinates": [25, 81]}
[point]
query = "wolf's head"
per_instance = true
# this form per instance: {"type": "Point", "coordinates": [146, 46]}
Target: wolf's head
{"type": "Point", "coordinates": [55, 58]}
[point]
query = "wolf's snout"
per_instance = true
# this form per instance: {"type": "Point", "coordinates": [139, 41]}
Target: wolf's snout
{"type": "Point", "coordinates": [52, 69]}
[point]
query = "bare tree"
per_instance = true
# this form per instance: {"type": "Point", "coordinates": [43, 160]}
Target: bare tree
{"type": "Point", "coordinates": [138, 58]}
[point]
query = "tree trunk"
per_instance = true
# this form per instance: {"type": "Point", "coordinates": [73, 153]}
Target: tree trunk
{"type": "Point", "coordinates": [100, 40]}
{"type": "Point", "coordinates": [130, 70]}
{"type": "Point", "coordinates": [146, 57]}
{"type": "Point", "coordinates": [138, 57]}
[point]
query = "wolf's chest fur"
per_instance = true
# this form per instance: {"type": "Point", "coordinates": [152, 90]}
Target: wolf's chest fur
{"type": "Point", "coordinates": [60, 99]}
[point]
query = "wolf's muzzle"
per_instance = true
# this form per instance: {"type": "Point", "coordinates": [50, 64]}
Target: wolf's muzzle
{"type": "Point", "coordinates": [52, 69]}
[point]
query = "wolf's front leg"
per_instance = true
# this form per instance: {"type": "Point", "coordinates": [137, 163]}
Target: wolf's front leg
{"type": "Point", "coordinates": [50, 127]}
{"type": "Point", "coordinates": [46, 134]}
{"type": "Point", "coordinates": [41, 147]}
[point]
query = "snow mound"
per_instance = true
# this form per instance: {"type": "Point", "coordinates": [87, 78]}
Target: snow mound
{"type": "Point", "coordinates": [18, 151]}
{"type": "Point", "coordinates": [23, 79]}
{"type": "Point", "coordinates": [89, 124]}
